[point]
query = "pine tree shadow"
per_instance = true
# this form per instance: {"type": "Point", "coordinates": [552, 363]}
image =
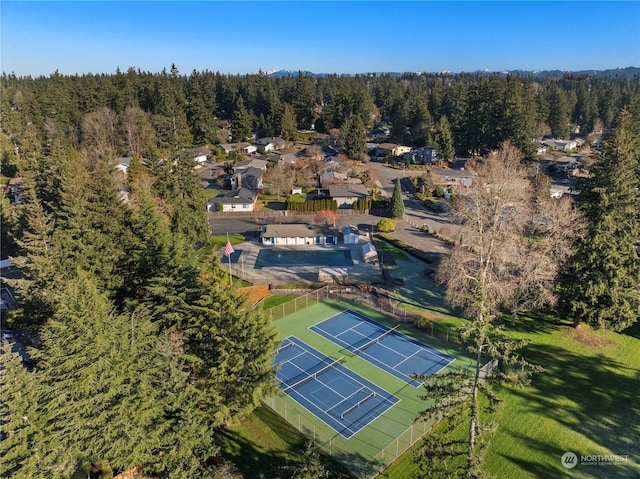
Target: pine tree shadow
{"type": "Point", "coordinates": [604, 395]}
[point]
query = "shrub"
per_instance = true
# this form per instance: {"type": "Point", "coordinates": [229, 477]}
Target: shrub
{"type": "Point", "coordinates": [386, 225]}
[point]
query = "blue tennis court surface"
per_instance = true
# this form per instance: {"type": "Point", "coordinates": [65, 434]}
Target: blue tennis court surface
{"type": "Point", "coordinates": [394, 352]}
{"type": "Point", "coordinates": [341, 398]}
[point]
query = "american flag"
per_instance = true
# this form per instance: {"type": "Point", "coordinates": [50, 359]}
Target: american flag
{"type": "Point", "coordinates": [228, 249]}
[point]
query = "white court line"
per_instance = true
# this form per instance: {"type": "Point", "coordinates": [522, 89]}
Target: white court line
{"type": "Point", "coordinates": [344, 398]}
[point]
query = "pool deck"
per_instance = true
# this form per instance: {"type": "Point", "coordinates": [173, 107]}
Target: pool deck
{"type": "Point", "coordinates": [359, 272]}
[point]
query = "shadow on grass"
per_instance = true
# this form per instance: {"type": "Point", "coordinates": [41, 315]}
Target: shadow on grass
{"type": "Point", "coordinates": [633, 330]}
{"type": "Point", "coordinates": [554, 454]}
{"type": "Point", "coordinates": [259, 456]}
{"type": "Point", "coordinates": [535, 322]}
{"type": "Point", "coordinates": [605, 395]}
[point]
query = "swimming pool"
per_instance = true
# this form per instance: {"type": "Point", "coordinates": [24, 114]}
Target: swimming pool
{"type": "Point", "coordinates": [337, 257]}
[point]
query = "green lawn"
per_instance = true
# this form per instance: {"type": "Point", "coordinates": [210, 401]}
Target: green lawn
{"type": "Point", "coordinates": [585, 402]}
{"type": "Point", "coordinates": [211, 192]}
{"type": "Point", "coordinates": [274, 300]}
{"type": "Point", "coordinates": [216, 242]}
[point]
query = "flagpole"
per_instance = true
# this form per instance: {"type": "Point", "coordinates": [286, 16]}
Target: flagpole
{"type": "Point", "coordinates": [230, 281]}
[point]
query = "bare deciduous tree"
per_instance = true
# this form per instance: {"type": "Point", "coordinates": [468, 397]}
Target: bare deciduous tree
{"type": "Point", "coordinates": [278, 179]}
{"type": "Point", "coordinates": [137, 131]}
{"type": "Point", "coordinates": [509, 248]}
{"type": "Point", "coordinates": [99, 133]}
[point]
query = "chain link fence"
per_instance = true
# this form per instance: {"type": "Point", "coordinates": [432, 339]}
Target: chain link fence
{"type": "Point", "coordinates": [388, 447]}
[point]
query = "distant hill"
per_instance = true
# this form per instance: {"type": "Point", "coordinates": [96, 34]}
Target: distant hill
{"type": "Point", "coordinates": [628, 72]}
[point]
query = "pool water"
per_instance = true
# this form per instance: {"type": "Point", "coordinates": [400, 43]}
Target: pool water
{"type": "Point", "coordinates": [269, 257]}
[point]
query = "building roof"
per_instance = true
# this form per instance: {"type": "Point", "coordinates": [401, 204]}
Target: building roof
{"type": "Point", "coordinates": [241, 196]}
{"type": "Point", "coordinates": [255, 163]}
{"type": "Point", "coordinates": [453, 174]}
{"type": "Point", "coordinates": [275, 140]}
{"type": "Point", "coordinates": [346, 191]}
{"type": "Point", "coordinates": [350, 229]}
{"type": "Point", "coordinates": [296, 230]}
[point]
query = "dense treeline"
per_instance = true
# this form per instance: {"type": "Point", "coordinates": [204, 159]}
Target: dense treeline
{"type": "Point", "coordinates": [145, 352]}
{"type": "Point", "coordinates": [152, 114]}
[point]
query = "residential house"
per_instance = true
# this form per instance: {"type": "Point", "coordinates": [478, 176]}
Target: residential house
{"type": "Point", "coordinates": [241, 199]}
{"type": "Point", "coordinates": [347, 195]}
{"type": "Point", "coordinates": [271, 143]}
{"type": "Point", "coordinates": [250, 178]}
{"type": "Point", "coordinates": [298, 234]}
{"type": "Point", "coordinates": [252, 163]}
{"type": "Point", "coordinates": [421, 156]}
{"type": "Point", "coordinates": [562, 145]}
{"type": "Point", "coordinates": [451, 178]}
{"type": "Point", "coordinates": [386, 149]}
{"type": "Point", "coordinates": [331, 178]}
{"type": "Point", "coordinates": [200, 154]}
{"type": "Point", "coordinates": [228, 147]}
{"type": "Point", "coordinates": [122, 164]}
{"type": "Point", "coordinates": [249, 149]}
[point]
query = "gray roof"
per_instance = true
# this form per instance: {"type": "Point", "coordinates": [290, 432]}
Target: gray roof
{"type": "Point", "coordinates": [240, 196]}
{"type": "Point", "coordinates": [453, 174]}
{"type": "Point", "coordinates": [347, 191]}
{"type": "Point", "coordinates": [252, 163]}
{"type": "Point", "coordinates": [296, 230]}
{"type": "Point", "coordinates": [350, 230]}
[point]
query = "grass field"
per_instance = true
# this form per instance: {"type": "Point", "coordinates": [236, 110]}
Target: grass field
{"type": "Point", "coordinates": [585, 402]}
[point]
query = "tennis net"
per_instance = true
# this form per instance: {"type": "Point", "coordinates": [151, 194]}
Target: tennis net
{"type": "Point", "coordinates": [357, 405]}
{"type": "Point", "coordinates": [359, 349]}
{"type": "Point", "coordinates": [287, 345]}
{"type": "Point", "coordinates": [314, 375]}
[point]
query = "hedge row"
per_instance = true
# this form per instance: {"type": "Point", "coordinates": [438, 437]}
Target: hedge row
{"type": "Point", "coordinates": [312, 205]}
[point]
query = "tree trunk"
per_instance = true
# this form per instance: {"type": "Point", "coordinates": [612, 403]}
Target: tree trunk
{"type": "Point", "coordinates": [577, 321]}
{"type": "Point", "coordinates": [474, 415]}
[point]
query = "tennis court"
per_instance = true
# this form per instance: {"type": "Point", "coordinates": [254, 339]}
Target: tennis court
{"type": "Point", "coordinates": [344, 400]}
{"type": "Point", "coordinates": [388, 349]}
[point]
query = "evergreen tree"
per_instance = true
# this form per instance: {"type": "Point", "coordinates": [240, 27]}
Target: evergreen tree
{"type": "Point", "coordinates": [111, 394]}
{"type": "Point", "coordinates": [397, 203]}
{"type": "Point", "coordinates": [19, 415]}
{"type": "Point", "coordinates": [352, 138]}
{"type": "Point", "coordinates": [602, 284]}
{"type": "Point", "coordinates": [445, 140]}
{"type": "Point", "coordinates": [240, 122]}
{"type": "Point", "coordinates": [288, 128]}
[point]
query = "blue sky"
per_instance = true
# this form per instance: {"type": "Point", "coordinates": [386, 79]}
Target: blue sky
{"type": "Point", "coordinates": [242, 37]}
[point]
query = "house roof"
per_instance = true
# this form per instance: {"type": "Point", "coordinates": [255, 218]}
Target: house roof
{"type": "Point", "coordinates": [296, 230]}
{"type": "Point", "coordinates": [200, 150]}
{"type": "Point", "coordinates": [235, 197]}
{"type": "Point", "coordinates": [333, 175]}
{"type": "Point", "coordinates": [255, 163]}
{"type": "Point", "coordinates": [452, 174]}
{"type": "Point", "coordinates": [350, 229]}
{"type": "Point", "coordinates": [275, 140]}
{"type": "Point", "coordinates": [123, 161]}
{"type": "Point", "coordinates": [345, 191]}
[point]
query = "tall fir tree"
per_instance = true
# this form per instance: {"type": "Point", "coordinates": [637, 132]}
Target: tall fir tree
{"type": "Point", "coordinates": [19, 415]}
{"type": "Point", "coordinates": [444, 140]}
{"type": "Point", "coordinates": [352, 137]}
{"type": "Point", "coordinates": [397, 203]}
{"type": "Point", "coordinates": [602, 283]}
{"type": "Point", "coordinates": [111, 394]}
